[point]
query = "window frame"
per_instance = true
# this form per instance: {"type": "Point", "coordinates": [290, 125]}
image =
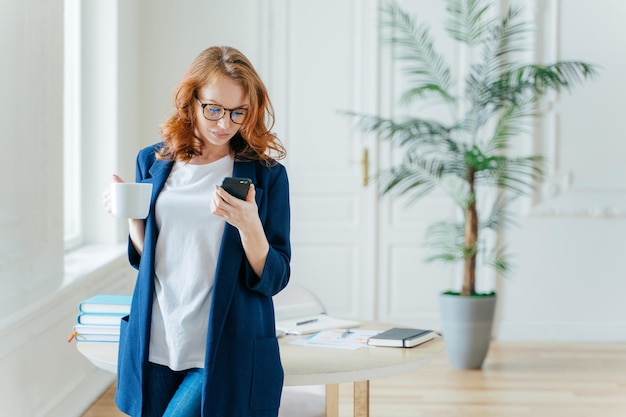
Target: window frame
{"type": "Point", "coordinates": [72, 166]}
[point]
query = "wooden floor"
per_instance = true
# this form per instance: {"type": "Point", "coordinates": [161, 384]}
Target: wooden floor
{"type": "Point", "coordinates": [517, 380]}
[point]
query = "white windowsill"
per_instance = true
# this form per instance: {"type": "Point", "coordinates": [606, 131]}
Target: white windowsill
{"type": "Point", "coordinates": [96, 261]}
{"type": "Point", "coordinates": [88, 259]}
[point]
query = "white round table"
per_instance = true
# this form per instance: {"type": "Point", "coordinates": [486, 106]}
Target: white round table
{"type": "Point", "coordinates": [306, 365]}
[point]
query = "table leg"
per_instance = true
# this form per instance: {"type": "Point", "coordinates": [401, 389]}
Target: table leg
{"type": "Point", "coordinates": [332, 400]}
{"type": "Point", "coordinates": [362, 399]}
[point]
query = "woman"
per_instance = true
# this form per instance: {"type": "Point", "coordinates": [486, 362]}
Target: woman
{"type": "Point", "coordinates": [200, 338]}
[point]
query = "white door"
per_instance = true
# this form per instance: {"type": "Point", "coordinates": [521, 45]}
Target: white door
{"type": "Point", "coordinates": [315, 70]}
{"type": "Point", "coordinates": [362, 255]}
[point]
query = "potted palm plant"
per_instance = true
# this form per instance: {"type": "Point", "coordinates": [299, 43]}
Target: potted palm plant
{"type": "Point", "coordinates": [468, 155]}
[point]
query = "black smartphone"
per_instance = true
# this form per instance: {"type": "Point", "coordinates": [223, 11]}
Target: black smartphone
{"type": "Point", "coordinates": [237, 187]}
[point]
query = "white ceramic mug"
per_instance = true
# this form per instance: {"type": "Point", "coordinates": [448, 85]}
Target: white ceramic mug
{"type": "Point", "coordinates": [130, 200]}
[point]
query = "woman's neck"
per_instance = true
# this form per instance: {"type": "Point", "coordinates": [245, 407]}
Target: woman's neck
{"type": "Point", "coordinates": [210, 155]}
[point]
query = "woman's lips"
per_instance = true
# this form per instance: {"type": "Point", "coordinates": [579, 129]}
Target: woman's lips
{"type": "Point", "coordinates": [221, 135]}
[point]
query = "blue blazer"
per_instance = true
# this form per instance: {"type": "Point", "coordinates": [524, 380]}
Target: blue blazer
{"type": "Point", "coordinates": [244, 375]}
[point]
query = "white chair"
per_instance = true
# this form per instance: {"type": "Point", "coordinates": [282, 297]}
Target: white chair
{"type": "Point", "coordinates": [308, 400]}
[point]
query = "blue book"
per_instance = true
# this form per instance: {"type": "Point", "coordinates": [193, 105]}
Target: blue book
{"type": "Point", "coordinates": [106, 303]}
{"type": "Point", "coordinates": [103, 319]}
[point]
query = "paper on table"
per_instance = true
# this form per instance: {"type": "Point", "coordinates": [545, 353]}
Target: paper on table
{"type": "Point", "coordinates": [338, 338]}
{"type": "Point", "coordinates": [314, 324]}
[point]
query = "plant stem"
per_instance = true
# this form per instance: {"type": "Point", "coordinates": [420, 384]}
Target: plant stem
{"type": "Point", "coordinates": [471, 233]}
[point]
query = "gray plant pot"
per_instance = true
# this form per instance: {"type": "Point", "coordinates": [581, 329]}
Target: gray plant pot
{"type": "Point", "coordinates": [466, 326]}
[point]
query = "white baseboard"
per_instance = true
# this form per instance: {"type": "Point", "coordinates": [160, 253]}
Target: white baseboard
{"type": "Point", "coordinates": [81, 396]}
{"type": "Point", "coordinates": [560, 332]}
{"type": "Point", "coordinates": [532, 331]}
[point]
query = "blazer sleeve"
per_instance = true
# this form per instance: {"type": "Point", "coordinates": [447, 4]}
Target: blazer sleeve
{"type": "Point", "coordinates": [277, 225]}
{"type": "Point", "coordinates": [144, 161]}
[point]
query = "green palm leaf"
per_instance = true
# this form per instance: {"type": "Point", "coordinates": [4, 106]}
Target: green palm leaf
{"type": "Point", "coordinates": [512, 121]}
{"type": "Point", "coordinates": [531, 82]}
{"type": "Point", "coordinates": [467, 22]}
{"type": "Point", "coordinates": [427, 70]}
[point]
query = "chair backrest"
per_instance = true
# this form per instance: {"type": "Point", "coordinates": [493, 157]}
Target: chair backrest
{"type": "Point", "coordinates": [296, 301]}
{"type": "Point", "coordinates": [310, 400]}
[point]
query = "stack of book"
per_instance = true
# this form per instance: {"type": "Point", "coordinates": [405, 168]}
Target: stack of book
{"type": "Point", "coordinates": [99, 318]}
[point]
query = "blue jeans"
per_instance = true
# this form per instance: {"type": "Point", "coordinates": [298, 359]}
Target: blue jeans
{"type": "Point", "coordinates": [170, 393]}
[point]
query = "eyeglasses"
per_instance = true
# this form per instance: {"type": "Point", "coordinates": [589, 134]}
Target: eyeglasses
{"type": "Point", "coordinates": [215, 112]}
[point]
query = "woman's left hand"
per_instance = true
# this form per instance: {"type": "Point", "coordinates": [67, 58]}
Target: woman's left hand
{"type": "Point", "coordinates": [244, 215]}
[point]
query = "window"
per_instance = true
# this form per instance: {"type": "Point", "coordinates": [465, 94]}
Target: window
{"type": "Point", "coordinates": [72, 230]}
{"type": "Point", "coordinates": [91, 125]}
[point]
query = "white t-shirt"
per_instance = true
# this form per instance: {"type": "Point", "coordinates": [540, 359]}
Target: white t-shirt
{"type": "Point", "coordinates": [186, 256]}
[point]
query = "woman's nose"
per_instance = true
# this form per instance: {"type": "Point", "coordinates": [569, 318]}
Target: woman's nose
{"type": "Point", "coordinates": [225, 121]}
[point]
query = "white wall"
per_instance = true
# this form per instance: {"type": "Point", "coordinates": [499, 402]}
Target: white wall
{"type": "Point", "coordinates": [569, 282]}
{"type": "Point", "coordinates": [31, 249]}
{"type": "Point", "coordinates": [31, 106]}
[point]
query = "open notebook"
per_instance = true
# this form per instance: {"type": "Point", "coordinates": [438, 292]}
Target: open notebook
{"type": "Point", "coordinates": [306, 318]}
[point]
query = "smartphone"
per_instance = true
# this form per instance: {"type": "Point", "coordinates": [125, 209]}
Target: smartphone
{"type": "Point", "coordinates": [237, 187]}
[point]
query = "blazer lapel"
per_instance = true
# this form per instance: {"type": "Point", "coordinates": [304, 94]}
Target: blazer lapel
{"type": "Point", "coordinates": [244, 169]}
{"type": "Point", "coordinates": [159, 171]}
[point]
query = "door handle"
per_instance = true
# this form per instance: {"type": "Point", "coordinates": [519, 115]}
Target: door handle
{"type": "Point", "coordinates": [365, 166]}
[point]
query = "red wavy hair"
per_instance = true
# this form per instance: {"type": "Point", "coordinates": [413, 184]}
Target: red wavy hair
{"type": "Point", "coordinates": [254, 139]}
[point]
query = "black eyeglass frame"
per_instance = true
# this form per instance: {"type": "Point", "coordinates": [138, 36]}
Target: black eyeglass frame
{"type": "Point", "coordinates": [224, 110]}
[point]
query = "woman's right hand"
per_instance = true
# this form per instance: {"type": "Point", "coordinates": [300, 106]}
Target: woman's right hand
{"type": "Point", "coordinates": [136, 226]}
{"type": "Point", "coordinates": [106, 195]}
